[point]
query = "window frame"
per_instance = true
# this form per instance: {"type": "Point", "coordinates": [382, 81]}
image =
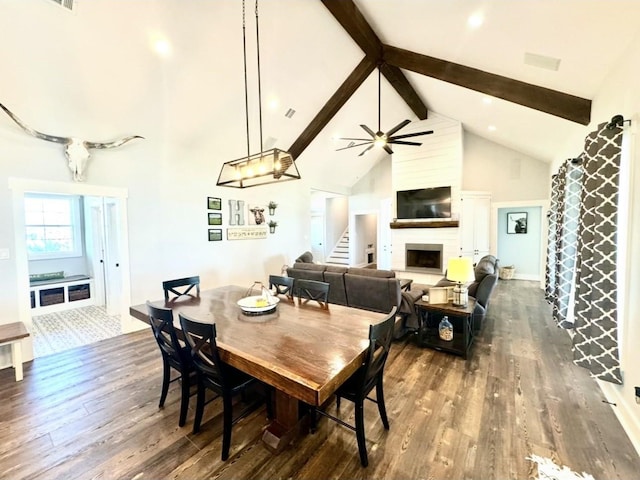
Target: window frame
{"type": "Point", "coordinates": [76, 228]}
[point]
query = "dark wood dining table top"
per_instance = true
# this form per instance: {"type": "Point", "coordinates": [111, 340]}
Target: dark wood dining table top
{"type": "Point", "coordinates": [304, 351]}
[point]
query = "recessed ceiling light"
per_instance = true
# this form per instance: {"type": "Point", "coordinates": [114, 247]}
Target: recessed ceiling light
{"type": "Point", "coordinates": [162, 47]}
{"type": "Point", "coordinates": [492, 128]}
{"type": "Point", "coordinates": [475, 20]}
{"type": "Point", "coordinates": [274, 104]}
{"type": "Point", "coordinates": [487, 100]}
{"type": "Point", "coordinates": [159, 43]}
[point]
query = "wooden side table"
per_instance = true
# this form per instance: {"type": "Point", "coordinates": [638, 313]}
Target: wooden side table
{"type": "Point", "coordinates": [429, 316]}
{"type": "Point", "coordinates": [12, 334]}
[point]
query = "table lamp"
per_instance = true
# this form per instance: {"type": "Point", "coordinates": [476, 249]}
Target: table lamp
{"type": "Point", "coordinates": [460, 270]}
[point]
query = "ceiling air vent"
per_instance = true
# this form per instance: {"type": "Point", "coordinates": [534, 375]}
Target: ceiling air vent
{"type": "Point", "coordinates": [68, 4]}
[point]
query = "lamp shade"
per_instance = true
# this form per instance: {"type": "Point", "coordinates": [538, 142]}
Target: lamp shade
{"type": "Point", "coordinates": [460, 270]}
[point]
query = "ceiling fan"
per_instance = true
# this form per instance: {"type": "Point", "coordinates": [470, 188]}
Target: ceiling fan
{"type": "Point", "coordinates": [383, 140]}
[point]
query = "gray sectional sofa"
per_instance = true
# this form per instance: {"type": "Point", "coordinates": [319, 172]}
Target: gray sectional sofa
{"type": "Point", "coordinates": [365, 288]}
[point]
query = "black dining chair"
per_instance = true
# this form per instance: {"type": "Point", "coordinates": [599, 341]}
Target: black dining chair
{"type": "Point", "coordinates": [213, 374]}
{"type": "Point", "coordinates": [172, 286]}
{"type": "Point", "coordinates": [368, 376]}
{"type": "Point", "coordinates": [280, 285]}
{"type": "Point", "coordinates": [312, 290]}
{"type": "Point", "coordinates": [174, 355]}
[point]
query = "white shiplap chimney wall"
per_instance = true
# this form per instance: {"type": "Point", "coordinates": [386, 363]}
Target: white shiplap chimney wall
{"type": "Point", "coordinates": [436, 163]}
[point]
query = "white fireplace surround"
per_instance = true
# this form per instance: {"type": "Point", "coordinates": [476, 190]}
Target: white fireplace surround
{"type": "Point", "coordinates": [437, 162]}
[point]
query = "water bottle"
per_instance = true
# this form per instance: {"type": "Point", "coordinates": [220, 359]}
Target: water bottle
{"type": "Point", "coordinates": [445, 329]}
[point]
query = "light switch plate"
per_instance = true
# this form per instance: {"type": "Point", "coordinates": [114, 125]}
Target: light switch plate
{"type": "Point", "coordinates": [4, 254]}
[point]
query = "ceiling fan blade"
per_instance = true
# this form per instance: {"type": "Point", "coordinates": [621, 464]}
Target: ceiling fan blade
{"type": "Point", "coordinates": [356, 139]}
{"type": "Point", "coordinates": [356, 145]}
{"type": "Point", "coordinates": [398, 127]}
{"type": "Point", "coordinates": [387, 149]}
{"type": "Point", "coordinates": [366, 150]}
{"type": "Point", "coordinates": [402, 142]}
{"type": "Point", "coordinates": [407, 135]}
{"type": "Point", "coordinates": [369, 131]}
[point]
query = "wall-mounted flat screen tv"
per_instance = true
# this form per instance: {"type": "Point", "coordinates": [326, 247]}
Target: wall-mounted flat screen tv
{"type": "Point", "coordinates": [424, 203]}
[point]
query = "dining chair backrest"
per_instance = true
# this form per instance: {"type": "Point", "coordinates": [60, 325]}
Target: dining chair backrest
{"type": "Point", "coordinates": [380, 337]}
{"type": "Point", "coordinates": [201, 338]}
{"type": "Point", "coordinates": [161, 320]}
{"type": "Point", "coordinates": [280, 285]}
{"type": "Point", "coordinates": [172, 286]}
{"type": "Point", "coordinates": [312, 290]}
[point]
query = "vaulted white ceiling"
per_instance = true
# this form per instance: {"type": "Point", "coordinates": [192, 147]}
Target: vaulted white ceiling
{"type": "Point", "coordinates": [195, 94]}
{"type": "Point", "coordinates": [310, 55]}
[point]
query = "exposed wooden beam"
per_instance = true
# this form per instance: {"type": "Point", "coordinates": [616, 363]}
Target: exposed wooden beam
{"type": "Point", "coordinates": [399, 81]}
{"type": "Point", "coordinates": [543, 99]}
{"type": "Point", "coordinates": [354, 23]}
{"type": "Point", "coordinates": [337, 100]}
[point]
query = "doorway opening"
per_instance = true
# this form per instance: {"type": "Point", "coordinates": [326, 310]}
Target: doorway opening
{"type": "Point", "coordinates": [97, 280]}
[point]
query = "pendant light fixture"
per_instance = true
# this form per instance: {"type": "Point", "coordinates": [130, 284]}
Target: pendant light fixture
{"type": "Point", "coordinates": [268, 166]}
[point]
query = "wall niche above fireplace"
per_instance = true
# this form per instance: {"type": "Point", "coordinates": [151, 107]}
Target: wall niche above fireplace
{"type": "Point", "coordinates": [423, 257]}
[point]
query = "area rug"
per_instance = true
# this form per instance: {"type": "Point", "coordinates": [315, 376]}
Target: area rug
{"type": "Point", "coordinates": [547, 470]}
{"type": "Point", "coordinates": [60, 331]}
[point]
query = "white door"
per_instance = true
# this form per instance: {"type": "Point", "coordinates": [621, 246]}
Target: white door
{"type": "Point", "coordinates": [94, 241]}
{"type": "Point", "coordinates": [475, 216]}
{"type": "Point", "coordinates": [113, 273]}
{"type": "Point", "coordinates": [317, 238]}
{"type": "Point", "coordinates": [384, 235]}
{"type": "Point", "coordinates": [482, 218]}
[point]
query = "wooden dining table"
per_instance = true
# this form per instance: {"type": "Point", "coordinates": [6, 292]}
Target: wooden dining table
{"type": "Point", "coordinates": [304, 351]}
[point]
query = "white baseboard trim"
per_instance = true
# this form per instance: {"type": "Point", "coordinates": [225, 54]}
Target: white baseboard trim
{"type": "Point", "coordinates": [526, 276]}
{"type": "Point", "coordinates": [623, 410]}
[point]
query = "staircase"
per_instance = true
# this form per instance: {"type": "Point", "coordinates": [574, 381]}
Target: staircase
{"type": "Point", "coordinates": [340, 253]}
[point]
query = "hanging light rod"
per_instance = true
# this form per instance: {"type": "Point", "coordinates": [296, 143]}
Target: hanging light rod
{"type": "Point", "coordinates": [268, 166]}
{"type": "Point", "coordinates": [617, 121]}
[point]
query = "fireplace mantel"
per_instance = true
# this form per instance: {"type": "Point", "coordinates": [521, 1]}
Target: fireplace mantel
{"type": "Point", "coordinates": [435, 224]}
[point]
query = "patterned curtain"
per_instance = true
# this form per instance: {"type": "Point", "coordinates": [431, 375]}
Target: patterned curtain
{"type": "Point", "coordinates": [563, 238]}
{"type": "Point", "coordinates": [595, 344]}
{"type": "Point", "coordinates": [552, 238]}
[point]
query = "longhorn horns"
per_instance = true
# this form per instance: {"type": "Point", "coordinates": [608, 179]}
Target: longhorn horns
{"type": "Point", "coordinates": [65, 140]}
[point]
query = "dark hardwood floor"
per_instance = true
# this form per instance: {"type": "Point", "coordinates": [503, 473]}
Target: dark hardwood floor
{"type": "Point", "coordinates": [93, 412]}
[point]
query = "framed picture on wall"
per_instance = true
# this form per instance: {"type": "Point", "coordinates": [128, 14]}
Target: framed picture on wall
{"type": "Point", "coordinates": [517, 222]}
{"type": "Point", "coordinates": [214, 203]}
{"type": "Point", "coordinates": [215, 219]}
{"type": "Point", "coordinates": [215, 235]}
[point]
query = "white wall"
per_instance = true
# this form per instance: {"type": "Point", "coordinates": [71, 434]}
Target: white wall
{"type": "Point", "coordinates": [509, 175]}
{"type": "Point", "coordinates": [101, 83]}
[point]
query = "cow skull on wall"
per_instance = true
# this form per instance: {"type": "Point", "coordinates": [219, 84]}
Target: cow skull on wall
{"type": "Point", "coordinates": [75, 149]}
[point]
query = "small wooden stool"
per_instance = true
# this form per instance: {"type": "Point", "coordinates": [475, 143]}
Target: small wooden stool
{"type": "Point", "coordinates": [12, 334]}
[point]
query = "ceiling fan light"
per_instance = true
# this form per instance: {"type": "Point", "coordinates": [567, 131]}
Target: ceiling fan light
{"type": "Point", "coordinates": [380, 141]}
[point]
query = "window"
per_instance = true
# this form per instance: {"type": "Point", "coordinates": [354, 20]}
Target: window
{"type": "Point", "coordinates": [52, 224]}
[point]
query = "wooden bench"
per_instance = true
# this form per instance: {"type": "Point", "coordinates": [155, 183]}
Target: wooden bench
{"type": "Point", "coordinates": [12, 334]}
